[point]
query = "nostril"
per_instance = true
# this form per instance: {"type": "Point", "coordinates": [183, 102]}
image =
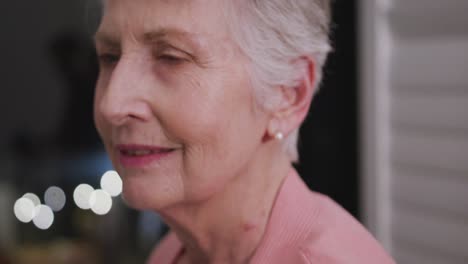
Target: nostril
{"type": "Point", "coordinates": [119, 111]}
{"type": "Point", "coordinates": [116, 116]}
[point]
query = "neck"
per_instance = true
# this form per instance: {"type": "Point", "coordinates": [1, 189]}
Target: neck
{"type": "Point", "coordinates": [228, 227]}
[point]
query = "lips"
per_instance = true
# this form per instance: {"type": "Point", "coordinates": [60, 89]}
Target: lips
{"type": "Point", "coordinates": [142, 152]}
{"type": "Point", "coordinates": [141, 155]}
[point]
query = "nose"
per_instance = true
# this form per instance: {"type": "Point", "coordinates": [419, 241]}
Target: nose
{"type": "Point", "coordinates": [123, 96]}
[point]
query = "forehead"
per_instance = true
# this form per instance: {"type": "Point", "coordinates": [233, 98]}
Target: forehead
{"type": "Point", "coordinates": [135, 18]}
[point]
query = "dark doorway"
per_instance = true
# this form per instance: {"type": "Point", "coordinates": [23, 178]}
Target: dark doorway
{"type": "Point", "coordinates": [329, 137]}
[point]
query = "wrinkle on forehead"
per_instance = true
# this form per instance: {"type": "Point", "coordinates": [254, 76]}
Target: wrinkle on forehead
{"type": "Point", "coordinates": [136, 20]}
{"type": "Point", "coordinates": [195, 16]}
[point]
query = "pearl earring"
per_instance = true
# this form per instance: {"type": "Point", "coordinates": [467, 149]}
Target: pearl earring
{"type": "Point", "coordinates": [279, 136]}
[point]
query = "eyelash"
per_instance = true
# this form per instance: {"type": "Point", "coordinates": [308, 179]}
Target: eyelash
{"type": "Point", "coordinates": [108, 59]}
{"type": "Point", "coordinates": [170, 59]}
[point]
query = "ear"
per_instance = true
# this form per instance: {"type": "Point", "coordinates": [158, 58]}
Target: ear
{"type": "Point", "coordinates": [294, 101]}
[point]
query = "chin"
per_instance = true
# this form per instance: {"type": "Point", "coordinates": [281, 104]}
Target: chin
{"type": "Point", "coordinates": [143, 196]}
{"type": "Point", "coordinates": [134, 201]}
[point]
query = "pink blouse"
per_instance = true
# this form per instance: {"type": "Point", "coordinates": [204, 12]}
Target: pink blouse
{"type": "Point", "coordinates": [305, 228]}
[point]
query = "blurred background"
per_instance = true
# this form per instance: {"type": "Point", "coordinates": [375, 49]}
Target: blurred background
{"type": "Point", "coordinates": [386, 137]}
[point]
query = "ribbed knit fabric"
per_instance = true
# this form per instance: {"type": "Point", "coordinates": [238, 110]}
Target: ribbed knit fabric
{"type": "Point", "coordinates": [305, 228]}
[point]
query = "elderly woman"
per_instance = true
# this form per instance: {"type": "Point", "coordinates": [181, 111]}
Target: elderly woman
{"type": "Point", "coordinates": [199, 104]}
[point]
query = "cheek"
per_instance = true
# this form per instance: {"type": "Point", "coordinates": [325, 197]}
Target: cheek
{"type": "Point", "coordinates": [97, 115]}
{"type": "Point", "coordinates": [216, 124]}
{"type": "Point", "coordinates": [103, 127]}
{"type": "Point", "coordinates": [197, 113]}
{"type": "Point", "coordinates": [195, 107]}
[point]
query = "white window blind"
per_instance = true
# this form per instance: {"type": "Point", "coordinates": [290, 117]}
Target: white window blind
{"type": "Point", "coordinates": [414, 112]}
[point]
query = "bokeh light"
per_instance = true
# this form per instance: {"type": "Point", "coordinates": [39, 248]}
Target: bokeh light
{"type": "Point", "coordinates": [111, 183]}
{"type": "Point", "coordinates": [24, 210]}
{"type": "Point", "coordinates": [34, 198]}
{"type": "Point", "coordinates": [101, 202]}
{"type": "Point", "coordinates": [55, 198]}
{"type": "Point", "coordinates": [29, 208]}
{"type": "Point", "coordinates": [82, 196]}
{"type": "Point", "coordinates": [44, 217]}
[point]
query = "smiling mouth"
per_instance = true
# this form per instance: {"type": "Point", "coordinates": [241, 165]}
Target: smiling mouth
{"type": "Point", "coordinates": [143, 152]}
{"type": "Point", "coordinates": [140, 156]}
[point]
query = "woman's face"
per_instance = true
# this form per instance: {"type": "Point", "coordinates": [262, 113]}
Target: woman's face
{"type": "Point", "coordinates": [173, 103]}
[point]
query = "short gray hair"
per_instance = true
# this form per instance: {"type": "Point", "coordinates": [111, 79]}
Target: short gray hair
{"type": "Point", "coordinates": [272, 34]}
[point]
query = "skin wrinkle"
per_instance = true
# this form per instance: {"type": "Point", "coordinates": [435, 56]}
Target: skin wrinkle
{"type": "Point", "coordinates": [223, 154]}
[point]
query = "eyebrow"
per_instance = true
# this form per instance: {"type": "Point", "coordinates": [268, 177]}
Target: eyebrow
{"type": "Point", "coordinates": [107, 39]}
{"type": "Point", "coordinates": [154, 36]}
{"type": "Point", "coordinates": [150, 37]}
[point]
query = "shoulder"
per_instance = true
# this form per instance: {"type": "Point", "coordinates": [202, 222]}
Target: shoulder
{"type": "Point", "coordinates": [309, 227]}
{"type": "Point", "coordinates": [335, 236]}
{"type": "Point", "coordinates": [340, 238]}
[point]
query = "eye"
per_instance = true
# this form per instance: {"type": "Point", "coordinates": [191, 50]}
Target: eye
{"type": "Point", "coordinates": [106, 59]}
{"type": "Point", "coordinates": [170, 59]}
